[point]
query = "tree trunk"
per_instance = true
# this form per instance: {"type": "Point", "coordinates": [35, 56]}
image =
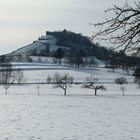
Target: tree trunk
{"type": "Point", "coordinates": [38, 91]}
{"type": "Point", "coordinates": [123, 93]}
{"type": "Point", "coordinates": [95, 92]}
{"type": "Point", "coordinates": [5, 91]}
{"type": "Point", "coordinates": [78, 65]}
{"type": "Point", "coordinates": [65, 92]}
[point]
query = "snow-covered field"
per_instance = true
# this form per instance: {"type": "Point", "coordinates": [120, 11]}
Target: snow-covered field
{"type": "Point", "coordinates": [38, 72]}
{"type": "Point", "coordinates": [80, 115]}
{"type": "Point", "coordinates": [72, 117]}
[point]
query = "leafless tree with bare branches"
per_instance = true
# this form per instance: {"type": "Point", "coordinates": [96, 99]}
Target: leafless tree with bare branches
{"type": "Point", "coordinates": [19, 75]}
{"type": "Point", "coordinates": [91, 84]}
{"type": "Point", "coordinates": [6, 75]}
{"type": "Point", "coordinates": [121, 81]}
{"type": "Point", "coordinates": [123, 28]}
{"type": "Point", "coordinates": [62, 81]}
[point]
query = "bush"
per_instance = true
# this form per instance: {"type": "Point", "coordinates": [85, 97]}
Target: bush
{"type": "Point", "coordinates": [137, 72]}
{"type": "Point", "coordinates": [121, 81]}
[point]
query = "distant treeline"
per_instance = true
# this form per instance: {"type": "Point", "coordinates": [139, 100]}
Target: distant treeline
{"type": "Point", "coordinates": [81, 47]}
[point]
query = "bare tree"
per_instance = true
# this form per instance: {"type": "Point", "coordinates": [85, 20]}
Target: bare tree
{"type": "Point", "coordinates": [62, 81]}
{"type": "Point", "coordinates": [91, 84]}
{"type": "Point", "coordinates": [6, 75]}
{"type": "Point", "coordinates": [123, 88]}
{"type": "Point", "coordinates": [121, 81]}
{"type": "Point", "coordinates": [19, 75]}
{"type": "Point", "coordinates": [123, 28]}
{"type": "Point", "coordinates": [137, 81]}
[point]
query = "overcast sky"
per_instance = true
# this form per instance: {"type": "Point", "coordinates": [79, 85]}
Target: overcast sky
{"type": "Point", "coordinates": [23, 21]}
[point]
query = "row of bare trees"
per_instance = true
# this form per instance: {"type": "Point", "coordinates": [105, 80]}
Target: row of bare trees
{"type": "Point", "coordinates": [8, 75]}
{"type": "Point", "coordinates": [65, 80]}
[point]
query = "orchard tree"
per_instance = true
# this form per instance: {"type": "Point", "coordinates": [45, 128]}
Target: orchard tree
{"type": "Point", "coordinates": [62, 81]}
{"type": "Point", "coordinates": [91, 84]}
{"type": "Point", "coordinates": [19, 75]}
{"type": "Point", "coordinates": [6, 75]}
{"type": "Point", "coordinates": [123, 28]}
{"type": "Point", "coordinates": [121, 81]}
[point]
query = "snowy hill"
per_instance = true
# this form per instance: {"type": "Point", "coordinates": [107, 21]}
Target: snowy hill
{"type": "Point", "coordinates": [38, 46]}
{"type": "Point", "coordinates": [54, 40]}
{"type": "Point", "coordinates": [72, 45]}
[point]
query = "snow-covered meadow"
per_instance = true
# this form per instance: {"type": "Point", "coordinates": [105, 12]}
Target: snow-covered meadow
{"type": "Point", "coordinates": [80, 115]}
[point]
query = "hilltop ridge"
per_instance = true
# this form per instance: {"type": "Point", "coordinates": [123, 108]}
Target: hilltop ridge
{"type": "Point", "coordinates": [66, 40]}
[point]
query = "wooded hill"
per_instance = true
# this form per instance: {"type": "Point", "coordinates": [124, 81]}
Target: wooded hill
{"type": "Point", "coordinates": [79, 43]}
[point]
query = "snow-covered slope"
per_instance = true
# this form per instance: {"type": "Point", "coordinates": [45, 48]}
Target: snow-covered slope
{"type": "Point", "coordinates": [38, 45]}
{"type": "Point", "coordinates": [38, 72]}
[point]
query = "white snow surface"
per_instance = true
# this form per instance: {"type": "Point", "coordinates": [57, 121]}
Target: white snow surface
{"type": "Point", "coordinates": [38, 72]}
{"type": "Point", "coordinates": [38, 45]}
{"type": "Point", "coordinates": [80, 115]}
{"type": "Point", "coordinates": [71, 117]}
